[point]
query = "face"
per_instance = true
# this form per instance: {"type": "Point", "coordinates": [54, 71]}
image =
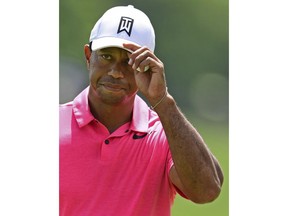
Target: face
{"type": "Point", "coordinates": [112, 79]}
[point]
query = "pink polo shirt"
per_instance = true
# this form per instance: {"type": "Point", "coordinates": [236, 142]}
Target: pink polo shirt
{"type": "Point", "coordinates": [120, 174]}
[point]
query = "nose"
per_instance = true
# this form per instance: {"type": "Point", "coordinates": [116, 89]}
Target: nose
{"type": "Point", "coordinates": [116, 71]}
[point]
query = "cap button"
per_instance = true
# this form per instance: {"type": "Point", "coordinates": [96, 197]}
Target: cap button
{"type": "Point", "coordinates": [131, 6]}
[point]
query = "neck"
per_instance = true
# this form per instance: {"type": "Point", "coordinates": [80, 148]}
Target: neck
{"type": "Point", "coordinates": [112, 116]}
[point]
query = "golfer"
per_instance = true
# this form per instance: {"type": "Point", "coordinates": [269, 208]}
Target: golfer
{"type": "Point", "coordinates": [121, 156]}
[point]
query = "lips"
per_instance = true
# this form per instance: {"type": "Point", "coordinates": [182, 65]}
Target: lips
{"type": "Point", "coordinates": [112, 87]}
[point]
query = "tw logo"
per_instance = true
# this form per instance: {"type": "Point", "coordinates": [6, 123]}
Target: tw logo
{"type": "Point", "coordinates": [126, 25]}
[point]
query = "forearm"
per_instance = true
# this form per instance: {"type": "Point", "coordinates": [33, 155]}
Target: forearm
{"type": "Point", "coordinates": [196, 167]}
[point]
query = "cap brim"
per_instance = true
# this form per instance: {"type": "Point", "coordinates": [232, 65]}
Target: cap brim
{"type": "Point", "coordinates": [106, 42]}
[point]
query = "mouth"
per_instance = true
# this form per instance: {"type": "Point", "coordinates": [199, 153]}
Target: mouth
{"type": "Point", "coordinates": [112, 87]}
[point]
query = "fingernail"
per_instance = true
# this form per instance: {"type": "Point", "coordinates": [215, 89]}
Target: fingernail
{"type": "Point", "coordinates": [130, 61]}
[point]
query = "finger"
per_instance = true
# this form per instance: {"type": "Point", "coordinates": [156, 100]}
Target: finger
{"type": "Point", "coordinates": [143, 59]}
{"type": "Point", "coordinates": [131, 46]}
{"type": "Point", "coordinates": [137, 50]}
{"type": "Point", "coordinates": [143, 68]}
{"type": "Point", "coordinates": [146, 64]}
{"type": "Point", "coordinates": [134, 54]}
{"type": "Point", "coordinates": [137, 57]}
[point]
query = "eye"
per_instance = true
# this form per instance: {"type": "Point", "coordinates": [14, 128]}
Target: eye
{"type": "Point", "coordinates": [106, 56]}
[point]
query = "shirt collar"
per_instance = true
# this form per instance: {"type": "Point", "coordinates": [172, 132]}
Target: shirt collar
{"type": "Point", "coordinates": [81, 108]}
{"type": "Point", "coordinates": [140, 116]}
{"type": "Point", "coordinates": [84, 116]}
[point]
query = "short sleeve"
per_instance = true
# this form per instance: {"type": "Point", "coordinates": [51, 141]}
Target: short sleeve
{"type": "Point", "coordinates": [170, 164]}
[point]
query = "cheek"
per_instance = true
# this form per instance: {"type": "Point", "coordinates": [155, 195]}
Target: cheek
{"type": "Point", "coordinates": [132, 81]}
{"type": "Point", "coordinates": [94, 71]}
{"type": "Point", "coordinates": [94, 76]}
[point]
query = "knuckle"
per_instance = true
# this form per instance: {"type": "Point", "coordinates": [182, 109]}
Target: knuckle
{"type": "Point", "coordinates": [145, 48]}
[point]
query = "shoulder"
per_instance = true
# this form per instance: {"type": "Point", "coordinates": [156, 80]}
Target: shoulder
{"type": "Point", "coordinates": [65, 110]}
{"type": "Point", "coordinates": [65, 106]}
{"type": "Point", "coordinates": [70, 103]}
{"type": "Point", "coordinates": [154, 120]}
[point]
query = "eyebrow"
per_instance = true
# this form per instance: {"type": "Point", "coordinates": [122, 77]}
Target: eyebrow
{"type": "Point", "coordinates": [108, 49]}
{"type": "Point", "coordinates": [111, 51]}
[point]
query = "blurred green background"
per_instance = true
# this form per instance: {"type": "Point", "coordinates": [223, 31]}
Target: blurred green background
{"type": "Point", "coordinates": [192, 42]}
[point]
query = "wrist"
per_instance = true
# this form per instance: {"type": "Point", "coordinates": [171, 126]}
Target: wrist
{"type": "Point", "coordinates": [166, 103]}
{"type": "Point", "coordinates": [160, 101]}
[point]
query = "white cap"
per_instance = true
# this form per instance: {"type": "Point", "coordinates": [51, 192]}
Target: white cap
{"type": "Point", "coordinates": [122, 24]}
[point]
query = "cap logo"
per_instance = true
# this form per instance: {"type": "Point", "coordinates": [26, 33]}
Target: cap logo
{"type": "Point", "coordinates": [126, 24]}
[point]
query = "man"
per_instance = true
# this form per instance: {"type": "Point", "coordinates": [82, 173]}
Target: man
{"type": "Point", "coordinates": [117, 155]}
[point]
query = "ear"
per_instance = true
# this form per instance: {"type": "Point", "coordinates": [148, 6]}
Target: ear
{"type": "Point", "coordinates": [87, 52]}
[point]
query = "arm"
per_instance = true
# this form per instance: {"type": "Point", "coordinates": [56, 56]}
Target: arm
{"type": "Point", "coordinates": [196, 172]}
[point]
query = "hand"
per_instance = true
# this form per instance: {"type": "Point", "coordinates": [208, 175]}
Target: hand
{"type": "Point", "coordinates": [151, 83]}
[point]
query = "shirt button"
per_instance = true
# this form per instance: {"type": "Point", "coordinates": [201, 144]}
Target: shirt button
{"type": "Point", "coordinates": [106, 142]}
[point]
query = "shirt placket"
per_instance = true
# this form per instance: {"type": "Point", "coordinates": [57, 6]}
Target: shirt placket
{"type": "Point", "coordinates": [111, 144]}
